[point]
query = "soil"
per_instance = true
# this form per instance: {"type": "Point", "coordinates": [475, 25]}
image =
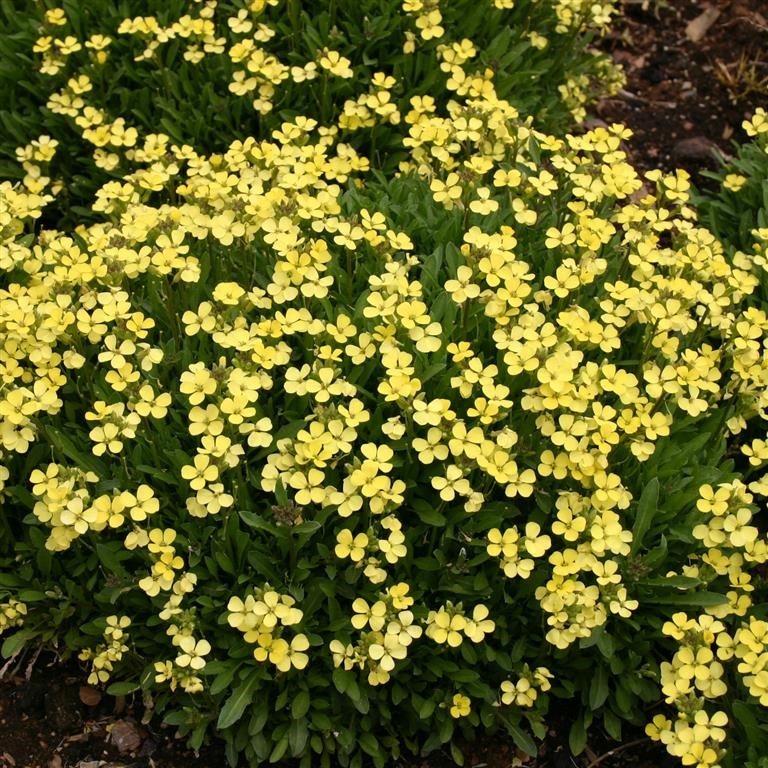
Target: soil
{"type": "Point", "coordinates": [55, 719]}
{"type": "Point", "coordinates": [685, 100]}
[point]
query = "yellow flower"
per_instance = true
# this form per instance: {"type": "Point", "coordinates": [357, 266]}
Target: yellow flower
{"type": "Point", "coordinates": [192, 652]}
{"type": "Point", "coordinates": [734, 182]}
{"type": "Point", "coordinates": [483, 204]}
{"type": "Point", "coordinates": [460, 706]}
{"type": "Point", "coordinates": [446, 192]}
{"type": "Point", "coordinates": [505, 544]}
{"type": "Point", "coordinates": [479, 625]}
{"type": "Point", "coordinates": [285, 656]}
{"type": "Point", "coordinates": [351, 547]}
{"type": "Point", "coordinates": [453, 483]}
{"type": "Point", "coordinates": [398, 593]}
{"type": "Point", "coordinates": [335, 63]}
{"type": "Point", "coordinates": [374, 615]}
{"type": "Point", "coordinates": [445, 626]}
{"type": "Point", "coordinates": [200, 472]}
{"type": "Point", "coordinates": [387, 652]}
{"type": "Point", "coordinates": [56, 16]}
{"type": "Point", "coordinates": [522, 693]}
{"type": "Point", "coordinates": [713, 501]}
{"type": "Point", "coordinates": [658, 726]}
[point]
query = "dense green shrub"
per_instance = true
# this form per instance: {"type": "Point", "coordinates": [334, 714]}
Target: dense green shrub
{"type": "Point", "coordinates": [342, 464]}
{"type": "Point", "coordinates": [737, 211]}
{"type": "Point", "coordinates": [205, 74]}
{"type": "Point", "coordinates": [267, 406]}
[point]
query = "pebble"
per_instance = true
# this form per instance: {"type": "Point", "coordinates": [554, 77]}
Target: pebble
{"type": "Point", "coordinates": [695, 148]}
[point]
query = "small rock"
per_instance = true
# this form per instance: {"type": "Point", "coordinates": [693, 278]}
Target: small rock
{"type": "Point", "coordinates": [695, 148]}
{"type": "Point", "coordinates": [148, 748]}
{"type": "Point", "coordinates": [125, 736]}
{"type": "Point", "coordinates": [89, 695]}
{"type": "Point", "coordinates": [91, 764]}
{"type": "Point", "coordinates": [594, 122]}
{"type": "Point", "coordinates": [696, 29]}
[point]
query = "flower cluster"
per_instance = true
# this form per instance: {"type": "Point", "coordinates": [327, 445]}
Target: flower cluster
{"type": "Point", "coordinates": [387, 629]}
{"type": "Point", "coordinates": [450, 625]}
{"type": "Point", "coordinates": [525, 691]}
{"type": "Point", "coordinates": [104, 657]}
{"type": "Point", "coordinates": [245, 43]}
{"type": "Point", "coordinates": [750, 647]}
{"type": "Point", "coordinates": [12, 613]}
{"type": "Point", "coordinates": [261, 618]}
{"type": "Point", "coordinates": [696, 740]}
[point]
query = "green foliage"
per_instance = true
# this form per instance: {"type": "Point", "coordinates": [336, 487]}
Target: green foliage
{"type": "Point", "coordinates": [340, 463]}
{"type": "Point", "coordinates": [736, 211]}
{"type": "Point", "coordinates": [162, 75]}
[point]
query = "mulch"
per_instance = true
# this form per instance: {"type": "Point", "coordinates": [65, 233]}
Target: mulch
{"type": "Point", "coordinates": [685, 98]}
{"type": "Point", "coordinates": [55, 720]}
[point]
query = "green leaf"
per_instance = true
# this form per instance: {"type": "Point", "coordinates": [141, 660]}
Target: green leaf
{"type": "Point", "coordinates": [647, 507]}
{"type": "Point", "coordinates": [196, 738]}
{"type": "Point", "coordinates": [341, 679]}
{"type": "Point", "coordinates": [321, 721]}
{"type": "Point", "coordinates": [701, 599]}
{"type": "Point", "coordinates": [605, 644]}
{"type": "Point", "coordinates": [279, 749]}
{"type": "Point", "coordinates": [369, 744]}
{"type": "Point", "coordinates": [15, 642]}
{"type": "Point", "coordinates": [598, 689]}
{"type": "Point", "coordinates": [306, 528]}
{"type": "Point", "coordinates": [657, 555]}
{"type": "Point", "coordinates": [612, 724]}
{"type": "Point", "coordinates": [280, 493]}
{"type": "Point", "coordinates": [522, 739]}
{"type": "Point", "coordinates": [178, 717]}
{"type": "Point", "coordinates": [427, 513]}
{"type": "Point", "coordinates": [746, 718]}
{"type": "Point", "coordinates": [235, 705]}
{"type": "Point", "coordinates": [577, 736]}
{"type": "Point", "coordinates": [255, 520]}
{"type": "Point", "coordinates": [222, 680]}
{"type": "Point", "coordinates": [31, 596]}
{"type": "Point", "coordinates": [427, 708]}
{"type": "Point", "coordinates": [681, 582]}
{"type": "Point", "coordinates": [298, 735]}
{"type": "Point", "coordinates": [300, 705]}
{"type": "Point", "coordinates": [122, 688]}
{"type": "Point", "coordinates": [66, 447]}
{"type": "Point", "coordinates": [160, 474]}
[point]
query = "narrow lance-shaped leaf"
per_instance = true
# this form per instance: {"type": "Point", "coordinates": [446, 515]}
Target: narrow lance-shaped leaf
{"type": "Point", "coordinates": [235, 705]}
{"type": "Point", "coordinates": [647, 507]}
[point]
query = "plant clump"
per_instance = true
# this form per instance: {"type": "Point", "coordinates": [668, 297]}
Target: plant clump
{"type": "Point", "coordinates": [338, 462]}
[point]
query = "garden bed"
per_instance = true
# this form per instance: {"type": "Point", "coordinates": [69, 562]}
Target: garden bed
{"type": "Point", "coordinates": [200, 598]}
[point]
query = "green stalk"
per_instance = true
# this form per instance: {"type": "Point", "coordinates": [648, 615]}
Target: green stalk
{"type": "Point", "coordinates": [294, 12]}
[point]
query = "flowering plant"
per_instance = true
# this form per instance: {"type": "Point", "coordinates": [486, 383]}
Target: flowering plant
{"type": "Point", "coordinates": [207, 73]}
{"type": "Point", "coordinates": [343, 464]}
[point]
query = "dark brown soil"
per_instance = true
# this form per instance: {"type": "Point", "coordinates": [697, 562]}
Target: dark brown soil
{"type": "Point", "coordinates": [56, 720]}
{"type": "Point", "coordinates": [685, 100]}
